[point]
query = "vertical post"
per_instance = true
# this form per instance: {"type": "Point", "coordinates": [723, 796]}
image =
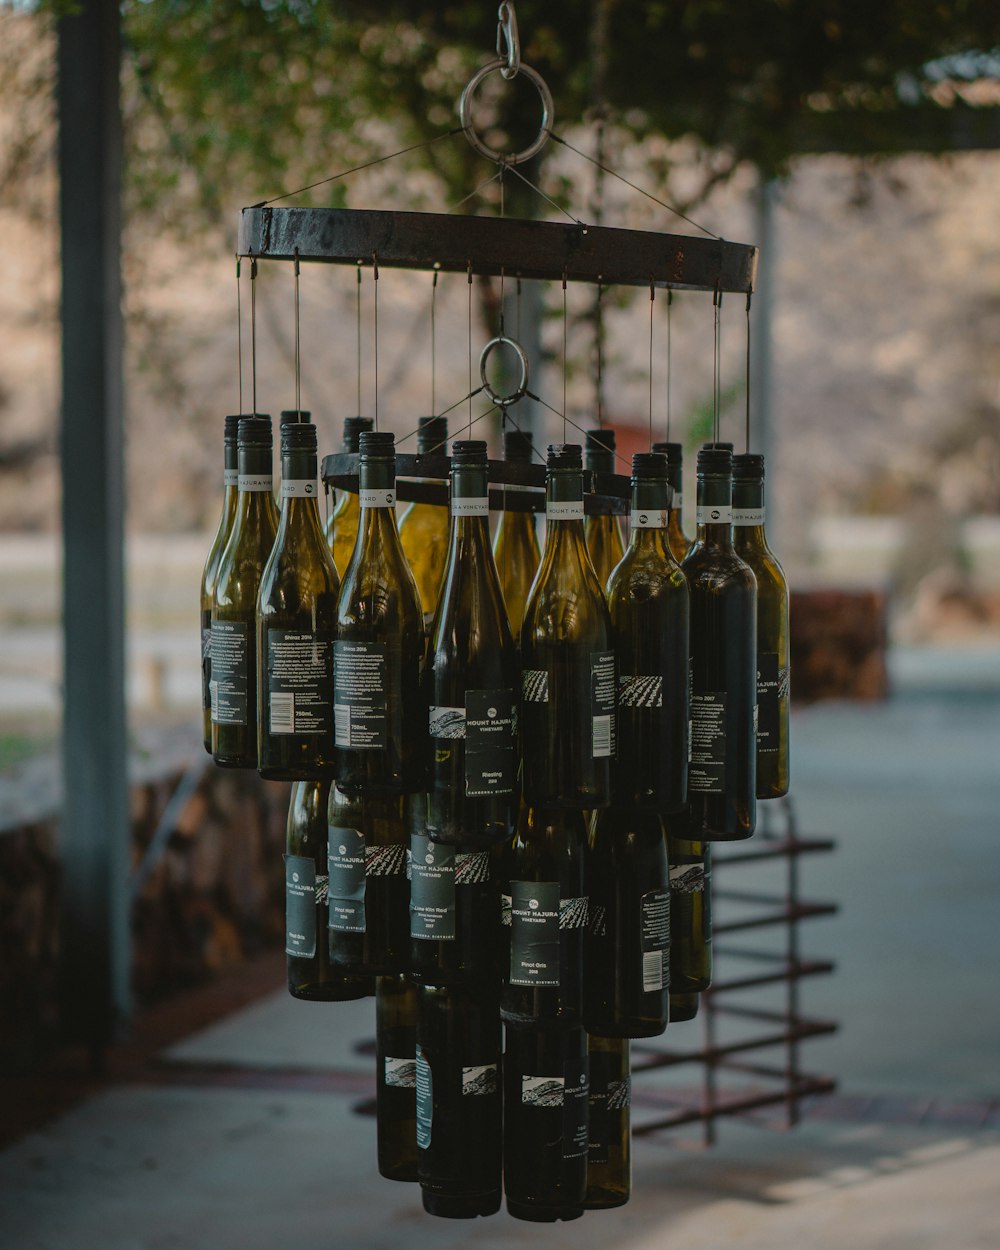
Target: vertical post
{"type": "Point", "coordinates": [762, 313]}
{"type": "Point", "coordinates": [94, 839]}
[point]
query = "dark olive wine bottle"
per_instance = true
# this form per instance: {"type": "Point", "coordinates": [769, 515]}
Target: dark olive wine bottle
{"type": "Point", "coordinates": [773, 699]}
{"type": "Point", "coordinates": [609, 1156]}
{"type": "Point", "coordinates": [543, 919]}
{"type": "Point", "coordinates": [310, 974]}
{"type": "Point", "coordinates": [546, 1115]}
{"type": "Point", "coordinates": [233, 686]}
{"type": "Point", "coordinates": [604, 533]}
{"type": "Point", "coordinates": [568, 680]}
{"type": "Point", "coordinates": [296, 612]}
{"type": "Point", "coordinates": [396, 1077]}
{"type": "Point", "coordinates": [683, 1007]}
{"type": "Point", "coordinates": [471, 677]}
{"type": "Point", "coordinates": [627, 951]}
{"type": "Point", "coordinates": [379, 715]}
{"type": "Point", "coordinates": [649, 604]}
{"type": "Point", "coordinates": [515, 545]}
{"type": "Point", "coordinates": [368, 840]}
{"type": "Point", "coordinates": [230, 499]}
{"type": "Point", "coordinates": [677, 540]}
{"type": "Point", "coordinates": [459, 1102]}
{"type": "Point", "coordinates": [690, 919]}
{"type": "Point", "coordinates": [423, 527]}
{"type": "Point", "coordinates": [722, 771]}
{"type": "Point", "coordinates": [454, 904]}
{"type": "Point", "coordinates": [341, 527]}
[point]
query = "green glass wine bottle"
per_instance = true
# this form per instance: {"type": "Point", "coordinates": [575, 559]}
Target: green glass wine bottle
{"type": "Point", "coordinates": [627, 948]}
{"type": "Point", "coordinates": [773, 698]}
{"type": "Point", "coordinates": [609, 1155]}
{"type": "Point", "coordinates": [546, 1122]}
{"type": "Point", "coordinates": [604, 533]}
{"type": "Point", "coordinates": [568, 678]}
{"type": "Point", "coordinates": [230, 500]}
{"type": "Point", "coordinates": [649, 604]}
{"type": "Point", "coordinates": [233, 687]}
{"type": "Point", "coordinates": [423, 527]}
{"type": "Point", "coordinates": [677, 540]}
{"type": "Point", "coordinates": [690, 920]}
{"type": "Point", "coordinates": [722, 771]}
{"type": "Point", "coordinates": [459, 1102]}
{"type": "Point", "coordinates": [341, 527]}
{"type": "Point", "coordinates": [379, 715]}
{"type": "Point", "coordinates": [471, 677]}
{"type": "Point", "coordinates": [310, 974]}
{"type": "Point", "coordinates": [543, 919]}
{"type": "Point", "coordinates": [296, 615]}
{"type": "Point", "coordinates": [515, 545]}
{"type": "Point", "coordinates": [396, 1078]}
{"type": "Point", "coordinates": [368, 841]}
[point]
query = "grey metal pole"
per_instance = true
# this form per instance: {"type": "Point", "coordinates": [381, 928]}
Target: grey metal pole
{"type": "Point", "coordinates": [94, 836]}
{"type": "Point", "coordinates": [761, 313]}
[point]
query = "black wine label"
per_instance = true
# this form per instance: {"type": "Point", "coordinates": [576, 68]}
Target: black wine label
{"type": "Point", "coordinates": [299, 682]}
{"type": "Point", "coordinates": [425, 1100]}
{"type": "Point", "coordinates": [385, 861]}
{"type": "Point", "coordinates": [576, 1096]}
{"type": "Point", "coordinates": [446, 722]}
{"type": "Point", "coordinates": [472, 867]}
{"type": "Point", "coordinates": [400, 1073]}
{"type": "Point", "coordinates": [603, 687]}
{"type": "Point", "coordinates": [687, 878]}
{"type": "Point", "coordinates": [640, 691]}
{"type": "Point", "coordinates": [535, 685]}
{"type": "Point", "coordinates": [300, 907]}
{"type": "Point", "coordinates": [480, 1080]}
{"type": "Point", "coordinates": [230, 661]}
{"type": "Point", "coordinates": [707, 771]}
{"type": "Point", "coordinates": [490, 743]}
{"type": "Point", "coordinates": [574, 913]}
{"type": "Point", "coordinates": [602, 1069]}
{"type": "Point", "coordinates": [346, 889]}
{"type": "Point", "coordinates": [534, 933]}
{"type": "Point", "coordinates": [206, 660]}
{"type": "Point", "coordinates": [359, 696]}
{"type": "Point", "coordinates": [654, 934]}
{"type": "Point", "coordinates": [432, 889]}
{"type": "Point", "coordinates": [772, 686]}
{"type": "Point", "coordinates": [542, 1091]}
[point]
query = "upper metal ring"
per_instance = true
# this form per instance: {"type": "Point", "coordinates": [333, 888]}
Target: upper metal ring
{"type": "Point", "coordinates": [503, 401]}
{"type": "Point", "coordinates": [465, 114]}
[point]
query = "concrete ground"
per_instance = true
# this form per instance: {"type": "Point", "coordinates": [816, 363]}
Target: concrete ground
{"type": "Point", "coordinates": [241, 1136]}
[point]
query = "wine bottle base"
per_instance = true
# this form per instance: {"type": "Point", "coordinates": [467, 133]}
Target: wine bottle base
{"type": "Point", "coordinates": [236, 761]}
{"type": "Point", "coordinates": [333, 993]}
{"type": "Point", "coordinates": [624, 1028]}
{"type": "Point", "coordinates": [540, 1214]}
{"type": "Point", "coordinates": [405, 1172]}
{"type": "Point", "coordinates": [772, 792]}
{"type": "Point", "coordinates": [461, 1206]}
{"type": "Point", "coordinates": [599, 1199]}
{"type": "Point", "coordinates": [683, 1007]}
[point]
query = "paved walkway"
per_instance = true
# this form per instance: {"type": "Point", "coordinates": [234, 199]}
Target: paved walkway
{"type": "Point", "coordinates": [242, 1136]}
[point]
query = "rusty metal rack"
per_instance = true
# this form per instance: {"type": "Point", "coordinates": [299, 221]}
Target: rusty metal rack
{"type": "Point", "coordinates": [732, 1084]}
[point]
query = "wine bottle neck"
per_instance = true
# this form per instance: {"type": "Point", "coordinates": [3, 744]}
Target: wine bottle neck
{"type": "Point", "coordinates": [748, 512]}
{"type": "Point", "coordinates": [649, 513]}
{"type": "Point", "coordinates": [470, 504]}
{"type": "Point", "coordinates": [564, 500]}
{"type": "Point", "coordinates": [715, 510]}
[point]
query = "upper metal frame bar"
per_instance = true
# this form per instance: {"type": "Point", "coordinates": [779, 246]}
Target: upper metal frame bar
{"type": "Point", "coordinates": [491, 246]}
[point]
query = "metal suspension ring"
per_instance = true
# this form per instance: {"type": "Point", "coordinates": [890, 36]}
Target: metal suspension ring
{"type": "Point", "coordinates": [465, 113]}
{"type": "Point", "coordinates": [504, 401]}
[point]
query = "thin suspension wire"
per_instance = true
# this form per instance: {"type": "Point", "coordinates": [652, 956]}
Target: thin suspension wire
{"type": "Point", "coordinates": [253, 330]}
{"type": "Point", "coordinates": [444, 412]}
{"type": "Point", "coordinates": [749, 297]}
{"type": "Point", "coordinates": [547, 198]}
{"type": "Point", "coordinates": [470, 342]}
{"type": "Point", "coordinates": [652, 297]}
{"type": "Point", "coordinates": [358, 338]}
{"type": "Point", "coordinates": [565, 359]}
{"type": "Point", "coordinates": [239, 334]}
{"type": "Point", "coordinates": [378, 160]}
{"type": "Point", "coordinates": [434, 292]}
{"type": "Point", "coordinates": [587, 438]}
{"type": "Point", "coordinates": [298, 342]}
{"type": "Point", "coordinates": [670, 301]}
{"type": "Point", "coordinates": [716, 364]}
{"type": "Point", "coordinates": [375, 336]}
{"type": "Point", "coordinates": [474, 192]}
{"type": "Point", "coordinates": [599, 337]}
{"type": "Point", "coordinates": [671, 208]}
